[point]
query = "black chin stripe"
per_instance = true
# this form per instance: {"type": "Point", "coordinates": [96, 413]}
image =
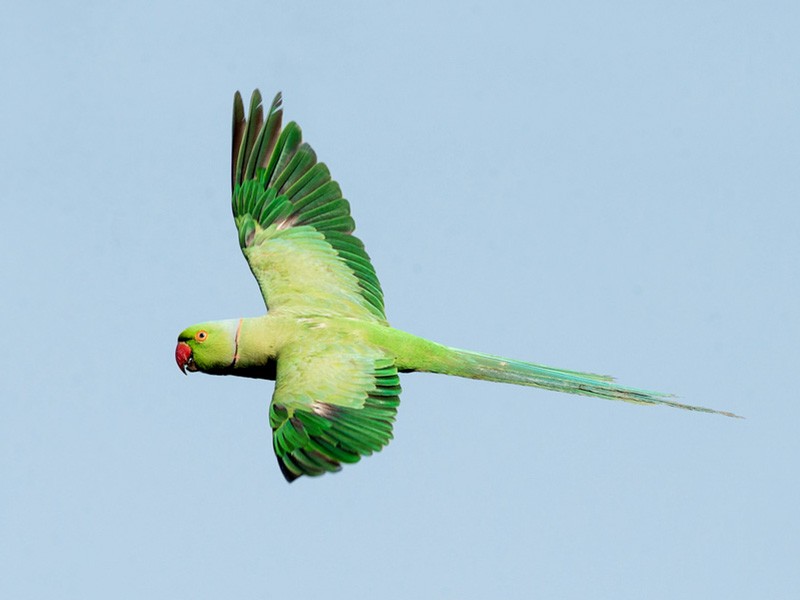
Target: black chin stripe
{"type": "Point", "coordinates": [236, 344]}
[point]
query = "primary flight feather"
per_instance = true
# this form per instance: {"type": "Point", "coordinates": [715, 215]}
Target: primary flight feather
{"type": "Point", "coordinates": [325, 339]}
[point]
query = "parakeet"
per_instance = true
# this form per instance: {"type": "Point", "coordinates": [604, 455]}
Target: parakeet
{"type": "Point", "coordinates": [325, 339]}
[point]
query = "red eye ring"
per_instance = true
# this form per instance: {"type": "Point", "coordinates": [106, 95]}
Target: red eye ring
{"type": "Point", "coordinates": [201, 336]}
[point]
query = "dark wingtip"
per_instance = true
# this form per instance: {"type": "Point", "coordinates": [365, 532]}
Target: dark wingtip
{"type": "Point", "coordinates": [239, 125]}
{"type": "Point", "coordinates": [287, 474]}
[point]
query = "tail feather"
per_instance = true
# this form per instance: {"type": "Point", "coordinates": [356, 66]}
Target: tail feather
{"type": "Point", "coordinates": [494, 368]}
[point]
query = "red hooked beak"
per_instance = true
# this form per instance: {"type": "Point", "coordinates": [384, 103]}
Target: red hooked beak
{"type": "Point", "coordinates": [183, 356]}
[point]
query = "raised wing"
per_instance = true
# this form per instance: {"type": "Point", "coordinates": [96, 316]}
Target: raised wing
{"type": "Point", "coordinates": [295, 228]}
{"type": "Point", "coordinates": [332, 405]}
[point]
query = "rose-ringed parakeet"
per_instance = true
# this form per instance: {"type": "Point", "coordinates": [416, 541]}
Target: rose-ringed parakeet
{"type": "Point", "coordinates": [325, 339]}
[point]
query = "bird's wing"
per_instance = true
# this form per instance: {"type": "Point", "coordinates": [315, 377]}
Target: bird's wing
{"type": "Point", "coordinates": [333, 403]}
{"type": "Point", "coordinates": [295, 229]}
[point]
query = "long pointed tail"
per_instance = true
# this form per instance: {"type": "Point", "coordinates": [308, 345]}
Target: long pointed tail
{"type": "Point", "coordinates": [494, 368]}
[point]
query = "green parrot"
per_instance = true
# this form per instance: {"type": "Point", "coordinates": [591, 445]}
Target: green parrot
{"type": "Point", "coordinates": [325, 340]}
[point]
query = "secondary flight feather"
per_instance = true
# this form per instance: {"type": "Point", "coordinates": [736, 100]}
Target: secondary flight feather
{"type": "Point", "coordinates": [325, 339]}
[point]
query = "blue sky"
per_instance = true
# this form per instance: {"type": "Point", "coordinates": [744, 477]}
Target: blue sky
{"type": "Point", "coordinates": [599, 186]}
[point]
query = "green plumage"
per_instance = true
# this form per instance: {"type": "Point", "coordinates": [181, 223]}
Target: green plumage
{"type": "Point", "coordinates": [287, 190]}
{"type": "Point", "coordinates": [325, 339]}
{"type": "Point", "coordinates": [313, 440]}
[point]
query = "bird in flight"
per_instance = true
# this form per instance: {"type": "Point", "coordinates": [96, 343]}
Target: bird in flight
{"type": "Point", "coordinates": [325, 340]}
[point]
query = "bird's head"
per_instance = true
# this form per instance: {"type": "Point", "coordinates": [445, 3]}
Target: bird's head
{"type": "Point", "coordinates": [207, 347]}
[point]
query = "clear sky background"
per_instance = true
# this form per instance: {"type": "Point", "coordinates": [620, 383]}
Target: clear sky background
{"type": "Point", "coordinates": [607, 186]}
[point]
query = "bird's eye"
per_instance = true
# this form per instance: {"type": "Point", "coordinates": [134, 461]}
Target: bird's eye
{"type": "Point", "coordinates": [200, 336]}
